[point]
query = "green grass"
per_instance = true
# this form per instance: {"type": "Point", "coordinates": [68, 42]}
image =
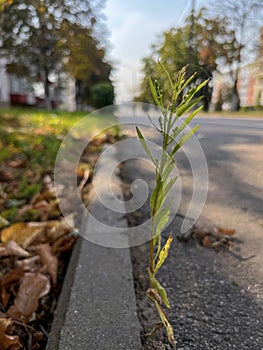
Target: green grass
{"type": "Point", "coordinates": [35, 135]}
{"type": "Point", "coordinates": [61, 121]}
{"type": "Point", "coordinates": [29, 142]}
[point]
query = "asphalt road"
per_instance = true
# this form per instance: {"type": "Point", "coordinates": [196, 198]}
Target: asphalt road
{"type": "Point", "coordinates": [233, 150]}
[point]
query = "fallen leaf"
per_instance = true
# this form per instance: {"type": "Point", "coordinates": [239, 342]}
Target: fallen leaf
{"type": "Point", "coordinates": [225, 231]}
{"type": "Point", "coordinates": [6, 175]}
{"type": "Point", "coordinates": [43, 208]}
{"type": "Point", "coordinates": [30, 264]}
{"type": "Point", "coordinates": [3, 222]}
{"type": "Point", "coordinates": [8, 341]}
{"type": "Point", "coordinates": [5, 296]}
{"type": "Point", "coordinates": [24, 209]}
{"type": "Point", "coordinates": [48, 259]}
{"type": "Point", "coordinates": [57, 229]}
{"type": "Point", "coordinates": [63, 244]}
{"type": "Point", "coordinates": [33, 287]}
{"type": "Point", "coordinates": [16, 163]}
{"type": "Point", "coordinates": [12, 277]}
{"type": "Point", "coordinates": [84, 179]}
{"type": "Point", "coordinates": [12, 248]}
{"type": "Point", "coordinates": [207, 242]}
{"type": "Point", "coordinates": [23, 233]}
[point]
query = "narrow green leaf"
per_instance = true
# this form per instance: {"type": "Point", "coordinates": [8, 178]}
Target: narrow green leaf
{"type": "Point", "coordinates": [188, 120]}
{"type": "Point", "coordinates": [187, 106]}
{"type": "Point", "coordinates": [157, 285]}
{"type": "Point", "coordinates": [155, 196]}
{"type": "Point", "coordinates": [152, 122]}
{"type": "Point", "coordinates": [169, 185]}
{"type": "Point", "coordinates": [183, 139]}
{"type": "Point", "coordinates": [143, 142]}
{"type": "Point", "coordinates": [167, 74]}
{"type": "Point", "coordinates": [168, 168]}
{"type": "Point", "coordinates": [189, 96]}
{"type": "Point", "coordinates": [187, 82]}
{"type": "Point", "coordinates": [160, 219]}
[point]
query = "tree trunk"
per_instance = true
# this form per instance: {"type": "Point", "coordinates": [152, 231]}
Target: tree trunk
{"type": "Point", "coordinates": [235, 96]}
{"type": "Point", "coordinates": [78, 95]}
{"type": "Point", "coordinates": [47, 92]}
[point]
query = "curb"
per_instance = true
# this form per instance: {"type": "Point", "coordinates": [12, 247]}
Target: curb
{"type": "Point", "coordinates": [97, 306]}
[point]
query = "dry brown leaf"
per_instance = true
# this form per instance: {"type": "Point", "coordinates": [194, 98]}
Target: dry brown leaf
{"type": "Point", "coordinates": [42, 205]}
{"type": "Point", "coordinates": [49, 260]}
{"type": "Point", "coordinates": [207, 242]}
{"type": "Point", "coordinates": [6, 175]}
{"type": "Point", "coordinates": [8, 341]}
{"type": "Point", "coordinates": [12, 248]}
{"type": "Point", "coordinates": [43, 208]}
{"type": "Point", "coordinates": [16, 163]}
{"type": "Point", "coordinates": [225, 231]}
{"type": "Point", "coordinates": [24, 209]}
{"type": "Point", "coordinates": [23, 233]}
{"type": "Point", "coordinates": [30, 264]}
{"type": "Point", "coordinates": [12, 277]}
{"type": "Point", "coordinates": [5, 297]}
{"type": "Point", "coordinates": [85, 178]}
{"type": "Point", "coordinates": [63, 244]}
{"type": "Point", "coordinates": [57, 229]}
{"type": "Point", "coordinates": [33, 287]}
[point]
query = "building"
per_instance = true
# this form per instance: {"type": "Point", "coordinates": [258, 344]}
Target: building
{"type": "Point", "coordinates": [18, 91]}
{"type": "Point", "coordinates": [15, 90]}
{"type": "Point", "coordinates": [250, 83]}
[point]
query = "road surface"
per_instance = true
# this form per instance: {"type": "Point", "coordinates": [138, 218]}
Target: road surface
{"type": "Point", "coordinates": [233, 151]}
{"type": "Point", "coordinates": [216, 298]}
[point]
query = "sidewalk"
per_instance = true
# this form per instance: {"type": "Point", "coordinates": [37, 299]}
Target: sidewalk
{"type": "Point", "coordinates": [97, 308]}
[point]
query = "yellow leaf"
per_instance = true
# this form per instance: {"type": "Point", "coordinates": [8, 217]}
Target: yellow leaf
{"type": "Point", "coordinates": [8, 341]}
{"type": "Point", "coordinates": [168, 327]}
{"type": "Point", "coordinates": [23, 233]}
{"type": "Point", "coordinates": [163, 254]}
{"type": "Point", "coordinates": [4, 3]}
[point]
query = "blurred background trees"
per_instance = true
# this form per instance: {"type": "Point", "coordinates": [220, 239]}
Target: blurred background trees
{"type": "Point", "coordinates": [50, 40]}
{"type": "Point", "coordinates": [210, 41]}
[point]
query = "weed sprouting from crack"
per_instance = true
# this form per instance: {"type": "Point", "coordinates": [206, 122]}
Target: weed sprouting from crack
{"type": "Point", "coordinates": [173, 104]}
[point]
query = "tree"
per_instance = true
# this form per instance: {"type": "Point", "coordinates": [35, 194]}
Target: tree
{"type": "Point", "coordinates": [211, 45]}
{"type": "Point", "coordinates": [102, 95]}
{"type": "Point", "coordinates": [244, 18]}
{"type": "Point", "coordinates": [32, 34]}
{"type": "Point", "coordinates": [85, 61]}
{"type": "Point", "coordinates": [4, 3]}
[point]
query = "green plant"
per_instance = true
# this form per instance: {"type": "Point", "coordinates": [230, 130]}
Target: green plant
{"type": "Point", "coordinates": [173, 104]}
{"type": "Point", "coordinates": [102, 95]}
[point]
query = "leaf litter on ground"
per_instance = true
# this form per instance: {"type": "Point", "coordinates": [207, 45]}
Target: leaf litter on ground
{"type": "Point", "coordinates": [215, 238]}
{"type": "Point", "coordinates": [35, 239]}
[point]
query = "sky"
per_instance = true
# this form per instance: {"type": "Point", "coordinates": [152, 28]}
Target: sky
{"type": "Point", "coordinates": [134, 27]}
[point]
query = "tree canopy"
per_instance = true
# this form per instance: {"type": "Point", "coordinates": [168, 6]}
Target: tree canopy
{"type": "Point", "coordinates": [206, 43]}
{"type": "Point", "coordinates": [47, 37]}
